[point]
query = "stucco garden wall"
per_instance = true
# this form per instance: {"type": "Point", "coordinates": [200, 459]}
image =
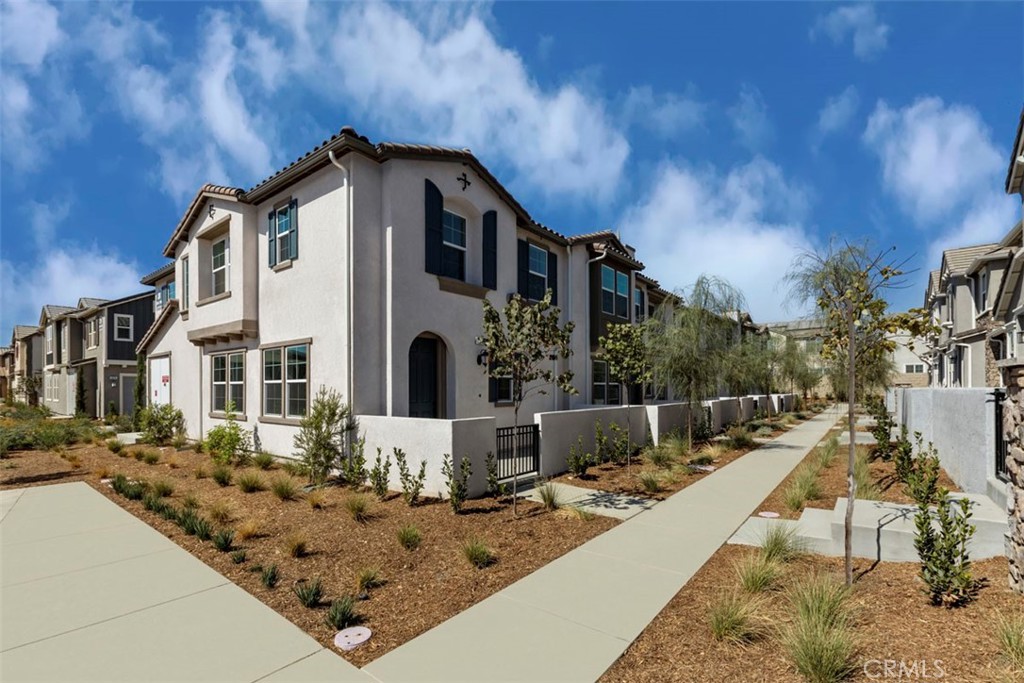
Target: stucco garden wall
{"type": "Point", "coordinates": [746, 404]}
{"type": "Point", "coordinates": [560, 430]}
{"type": "Point", "coordinates": [665, 418]}
{"type": "Point", "coordinates": [730, 410]}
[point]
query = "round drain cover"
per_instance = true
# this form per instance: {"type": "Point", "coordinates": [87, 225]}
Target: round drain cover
{"type": "Point", "coordinates": [352, 637]}
{"type": "Point", "coordinates": [769, 515]}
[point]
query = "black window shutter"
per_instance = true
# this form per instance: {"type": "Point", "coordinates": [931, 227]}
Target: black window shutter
{"type": "Point", "coordinates": [553, 276]}
{"type": "Point", "coordinates": [491, 250]}
{"type": "Point", "coordinates": [293, 213]}
{"type": "Point", "coordinates": [523, 285]}
{"type": "Point", "coordinates": [434, 210]}
{"type": "Point", "coordinates": [272, 239]}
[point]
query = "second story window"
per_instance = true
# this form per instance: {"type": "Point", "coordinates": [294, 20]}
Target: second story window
{"type": "Point", "coordinates": [614, 292]}
{"type": "Point", "coordinates": [639, 308]}
{"type": "Point", "coordinates": [123, 327]}
{"type": "Point", "coordinates": [453, 241]}
{"type": "Point", "coordinates": [538, 284]}
{"type": "Point", "coordinates": [283, 233]}
{"type": "Point", "coordinates": [49, 338]}
{"type": "Point", "coordinates": [184, 284]}
{"type": "Point", "coordinates": [982, 293]}
{"type": "Point", "coordinates": [93, 333]}
{"type": "Point", "coordinates": [220, 260]}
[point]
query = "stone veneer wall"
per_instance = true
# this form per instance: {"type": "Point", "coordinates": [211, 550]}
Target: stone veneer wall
{"type": "Point", "coordinates": [1013, 428]}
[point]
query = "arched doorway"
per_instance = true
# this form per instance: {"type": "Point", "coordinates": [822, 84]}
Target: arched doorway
{"type": "Point", "coordinates": [427, 385]}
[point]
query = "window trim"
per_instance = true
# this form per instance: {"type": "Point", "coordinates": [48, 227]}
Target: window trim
{"type": "Point", "coordinates": [283, 417]}
{"type": "Point", "coordinates": [49, 338]}
{"type": "Point", "coordinates": [286, 209]}
{"type": "Point", "coordinates": [529, 266]}
{"type": "Point", "coordinates": [226, 267]}
{"type": "Point", "coordinates": [92, 333]}
{"type": "Point", "coordinates": [446, 244]}
{"type": "Point", "coordinates": [606, 384]}
{"type": "Point", "coordinates": [117, 327]}
{"type": "Point", "coordinates": [238, 411]}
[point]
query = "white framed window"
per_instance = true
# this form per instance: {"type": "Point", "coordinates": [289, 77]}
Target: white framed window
{"type": "Point", "coordinates": [286, 381]}
{"type": "Point", "coordinates": [93, 333]}
{"type": "Point", "coordinates": [124, 327]}
{"type": "Point", "coordinates": [453, 245]}
{"type": "Point", "coordinates": [184, 283]}
{"type": "Point", "coordinates": [284, 232]}
{"type": "Point", "coordinates": [220, 261]}
{"type": "Point", "coordinates": [49, 338]}
{"type": "Point", "coordinates": [913, 368]}
{"type": "Point", "coordinates": [228, 377]}
{"type": "Point", "coordinates": [537, 284]}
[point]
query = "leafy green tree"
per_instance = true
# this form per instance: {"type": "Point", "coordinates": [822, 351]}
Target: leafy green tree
{"type": "Point", "coordinates": [521, 342]}
{"type": "Point", "coordinates": [624, 349]}
{"type": "Point", "coordinates": [323, 434]}
{"type": "Point", "coordinates": [689, 340]}
{"type": "Point", "coordinates": [845, 284]}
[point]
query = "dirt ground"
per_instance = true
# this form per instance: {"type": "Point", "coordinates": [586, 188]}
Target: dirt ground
{"type": "Point", "coordinates": [421, 589]}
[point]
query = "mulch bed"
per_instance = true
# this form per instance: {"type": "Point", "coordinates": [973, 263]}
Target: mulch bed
{"type": "Point", "coordinates": [422, 588]}
{"type": "Point", "coordinates": [893, 620]}
{"type": "Point", "coordinates": [832, 482]}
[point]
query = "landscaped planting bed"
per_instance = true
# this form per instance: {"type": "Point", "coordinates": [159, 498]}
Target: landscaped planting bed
{"type": "Point", "coordinates": [891, 620]}
{"type": "Point", "coordinates": [420, 588]}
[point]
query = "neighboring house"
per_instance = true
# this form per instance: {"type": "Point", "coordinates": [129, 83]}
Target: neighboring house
{"type": "Point", "coordinates": [6, 372]}
{"type": "Point", "coordinates": [57, 393]}
{"type": "Point", "coordinates": [807, 334]}
{"type": "Point", "coordinates": [104, 335]}
{"type": "Point", "coordinates": [362, 267]}
{"type": "Point", "coordinates": [909, 360]}
{"type": "Point", "coordinates": [27, 343]}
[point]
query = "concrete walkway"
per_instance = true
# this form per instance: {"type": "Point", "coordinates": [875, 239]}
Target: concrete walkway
{"type": "Point", "coordinates": [91, 593]}
{"type": "Point", "coordinates": [603, 503]}
{"type": "Point", "coordinates": [570, 620]}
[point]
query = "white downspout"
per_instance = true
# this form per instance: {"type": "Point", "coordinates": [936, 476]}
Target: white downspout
{"type": "Point", "coordinates": [349, 276]}
{"type": "Point", "coordinates": [587, 369]}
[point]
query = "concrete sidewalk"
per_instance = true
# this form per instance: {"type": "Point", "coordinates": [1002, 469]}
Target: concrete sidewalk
{"type": "Point", "coordinates": [91, 593]}
{"type": "Point", "coordinates": [570, 620]}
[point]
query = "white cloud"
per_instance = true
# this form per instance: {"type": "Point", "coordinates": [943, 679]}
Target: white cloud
{"type": "Point", "coordinates": [935, 158]}
{"type": "Point", "coordinates": [745, 225]}
{"type": "Point", "coordinates": [838, 112]}
{"type": "Point", "coordinates": [30, 32]}
{"type": "Point", "coordinates": [869, 35]}
{"type": "Point", "coordinates": [664, 113]}
{"type": "Point", "coordinates": [44, 219]}
{"type": "Point", "coordinates": [450, 82]}
{"type": "Point", "coordinates": [749, 117]}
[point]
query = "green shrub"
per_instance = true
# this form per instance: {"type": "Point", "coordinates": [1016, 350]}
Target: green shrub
{"type": "Point", "coordinates": [739, 437]}
{"type": "Point", "coordinates": [411, 486]}
{"type": "Point", "coordinates": [309, 593]}
{"type": "Point", "coordinates": [222, 475]}
{"type": "Point", "coordinates": [621, 447]}
{"type": "Point", "coordinates": [168, 512]}
{"type": "Point", "coordinates": [1010, 633]}
{"type": "Point", "coordinates": [238, 556]}
{"type": "Point", "coordinates": [821, 655]}
{"type": "Point", "coordinates": [675, 445]}
{"type": "Point", "coordinates": [601, 449]}
{"type": "Point", "coordinates": [824, 456]}
{"type": "Point", "coordinates": [150, 457]}
{"type": "Point", "coordinates": [477, 553]}
{"type": "Point", "coordinates": [702, 459]}
{"type": "Point", "coordinates": [283, 487]}
{"type": "Point", "coordinates": [764, 432]}
{"type": "Point", "coordinates": [923, 478]}
{"type": "Point", "coordinates": [660, 456]}
{"type": "Point", "coordinates": [264, 461]}
{"type": "Point", "coordinates": [250, 482]}
{"type": "Point", "coordinates": [115, 445]}
{"type": "Point", "coordinates": [941, 540]}
{"type": "Point", "coordinates": [224, 540]}
{"type": "Point", "coordinates": [269, 576]}
{"type": "Point", "coordinates": [409, 537]}
{"type": "Point", "coordinates": [358, 507]}
{"type": "Point", "coordinates": [353, 468]}
{"type": "Point", "coordinates": [296, 544]}
{"type": "Point", "coordinates": [802, 487]}
{"type": "Point", "coordinates": [650, 481]}
{"type": "Point", "coordinates": [180, 442]}
{"type": "Point", "coordinates": [821, 600]}
{"type": "Point", "coordinates": [194, 524]}
{"type": "Point", "coordinates": [903, 455]}
{"type": "Point", "coordinates": [132, 490]}
{"type": "Point", "coordinates": [495, 489]}
{"type": "Point", "coordinates": [342, 613]}
{"type": "Point", "coordinates": [548, 494]}
{"type": "Point", "coordinates": [579, 461]}
{"type": "Point", "coordinates": [380, 474]}
{"type": "Point", "coordinates": [228, 442]}
{"type": "Point", "coordinates": [733, 618]}
{"type": "Point", "coordinates": [321, 438]}
{"type": "Point", "coordinates": [154, 503]}
{"type": "Point", "coordinates": [757, 573]}
{"type": "Point", "coordinates": [190, 502]}
{"type": "Point", "coordinates": [781, 544]}
{"type": "Point", "coordinates": [159, 424]}
{"type": "Point", "coordinates": [295, 468]}
{"type": "Point", "coordinates": [457, 484]}
{"type": "Point", "coordinates": [161, 487]}
{"type": "Point", "coordinates": [221, 511]}
{"type": "Point", "coordinates": [867, 489]}
{"type": "Point", "coordinates": [368, 579]}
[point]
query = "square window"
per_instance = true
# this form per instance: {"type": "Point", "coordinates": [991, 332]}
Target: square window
{"type": "Point", "coordinates": [123, 325]}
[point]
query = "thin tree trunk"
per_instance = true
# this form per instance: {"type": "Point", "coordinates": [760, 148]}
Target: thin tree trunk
{"type": "Point", "coordinates": [628, 441]}
{"type": "Point", "coordinates": [851, 482]}
{"type": "Point", "coordinates": [515, 461]}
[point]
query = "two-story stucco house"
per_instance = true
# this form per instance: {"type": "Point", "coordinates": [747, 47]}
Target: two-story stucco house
{"type": "Point", "coordinates": [362, 267]}
{"type": "Point", "coordinates": [6, 372]}
{"type": "Point", "coordinates": [27, 347]}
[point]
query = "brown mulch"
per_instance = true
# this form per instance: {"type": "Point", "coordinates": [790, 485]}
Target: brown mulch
{"type": "Point", "coordinates": [832, 482]}
{"type": "Point", "coordinates": [422, 588]}
{"type": "Point", "coordinates": [893, 620]}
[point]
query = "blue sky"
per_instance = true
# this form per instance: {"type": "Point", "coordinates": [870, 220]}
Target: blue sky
{"type": "Point", "coordinates": [716, 137]}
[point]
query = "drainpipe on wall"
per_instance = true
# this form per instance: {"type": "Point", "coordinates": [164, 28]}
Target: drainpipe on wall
{"type": "Point", "coordinates": [349, 274]}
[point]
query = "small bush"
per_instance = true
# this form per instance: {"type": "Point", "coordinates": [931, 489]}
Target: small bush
{"type": "Point", "coordinates": [190, 502]}
{"type": "Point", "coordinates": [250, 528]}
{"type": "Point", "coordinates": [194, 524]}
{"type": "Point", "coordinates": [358, 507]}
{"type": "Point", "coordinates": [115, 446]}
{"type": "Point", "coordinates": [457, 484]}
{"type": "Point", "coordinates": [821, 655]}
{"type": "Point", "coordinates": [222, 475]}
{"type": "Point", "coordinates": [168, 512]}
{"type": "Point", "coordinates": [477, 553]}
{"type": "Point", "coordinates": [180, 442]}
{"type": "Point", "coordinates": [159, 424]}
{"type": "Point", "coordinates": [660, 456]}
{"type": "Point", "coordinates": [269, 576]}
{"type": "Point", "coordinates": [409, 537]}
{"type": "Point", "coordinates": [579, 461]}
{"type": "Point", "coordinates": [342, 613]}
{"type": "Point", "coordinates": [923, 478]}
{"type": "Point", "coordinates": [495, 489]}
{"type": "Point", "coordinates": [711, 452]}
{"type": "Point", "coordinates": [224, 540]}
{"type": "Point", "coordinates": [579, 513]}
{"type": "Point", "coordinates": [228, 442]}
{"type": "Point", "coordinates": [250, 482]}
{"type": "Point", "coordinates": [941, 540]}
{"type": "Point", "coordinates": [380, 474]}
{"type": "Point", "coordinates": [412, 486]}
{"type": "Point", "coordinates": [548, 494]}
{"type": "Point", "coordinates": [238, 557]}
{"type": "Point", "coordinates": [764, 432]}
{"type": "Point", "coordinates": [321, 438]}
{"type": "Point", "coordinates": [316, 499]}
{"type": "Point", "coordinates": [161, 487]}
{"type": "Point", "coordinates": [705, 458]}
{"type": "Point", "coordinates": [150, 457]}
{"type": "Point", "coordinates": [284, 488]}
{"type": "Point", "coordinates": [802, 487]}
{"type": "Point", "coordinates": [825, 457]}
{"type": "Point", "coordinates": [650, 481]}
{"type": "Point", "coordinates": [221, 511]}
{"type": "Point", "coordinates": [781, 544]}
{"type": "Point", "coordinates": [867, 489]}
{"type": "Point", "coordinates": [353, 467]}
{"type": "Point", "coordinates": [757, 573]}
{"type": "Point", "coordinates": [903, 455]}
{"type": "Point", "coordinates": [733, 618]}
{"type": "Point", "coordinates": [368, 579]}
{"type": "Point", "coordinates": [296, 544]}
{"type": "Point", "coordinates": [264, 461]}
{"type": "Point", "coordinates": [155, 504]}
{"type": "Point", "coordinates": [130, 489]}
{"type": "Point", "coordinates": [820, 600]}
{"type": "Point", "coordinates": [201, 473]}
{"type": "Point", "coordinates": [309, 593]}
{"type": "Point", "coordinates": [1010, 633]}
{"type": "Point", "coordinates": [739, 437]}
{"type": "Point", "coordinates": [295, 468]}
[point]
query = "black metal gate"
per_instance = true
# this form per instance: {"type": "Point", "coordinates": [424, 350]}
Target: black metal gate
{"type": "Point", "coordinates": [528, 459]}
{"type": "Point", "coordinates": [1001, 452]}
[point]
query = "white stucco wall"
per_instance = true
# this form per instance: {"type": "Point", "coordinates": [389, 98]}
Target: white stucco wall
{"type": "Point", "coordinates": [560, 430]}
{"type": "Point", "coordinates": [746, 410]}
{"type": "Point", "coordinates": [171, 341]}
{"type": "Point", "coordinates": [666, 418]}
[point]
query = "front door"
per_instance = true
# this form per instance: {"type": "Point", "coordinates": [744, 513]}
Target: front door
{"type": "Point", "coordinates": [423, 378]}
{"type": "Point", "coordinates": [127, 394]}
{"type": "Point", "coordinates": [159, 381]}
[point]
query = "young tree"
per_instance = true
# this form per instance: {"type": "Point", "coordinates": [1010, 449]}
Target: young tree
{"type": "Point", "coordinates": [80, 392]}
{"type": "Point", "coordinates": [324, 433]}
{"type": "Point", "coordinates": [689, 339]}
{"type": "Point", "coordinates": [845, 284]}
{"type": "Point", "coordinates": [141, 392]}
{"type": "Point", "coordinates": [624, 349]}
{"type": "Point", "coordinates": [523, 342]}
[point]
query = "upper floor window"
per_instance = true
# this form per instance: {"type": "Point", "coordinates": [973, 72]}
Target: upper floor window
{"type": "Point", "coordinates": [453, 245]}
{"type": "Point", "coordinates": [614, 292]}
{"type": "Point", "coordinates": [164, 294]}
{"type": "Point", "coordinates": [220, 260]}
{"type": "Point", "coordinates": [639, 309]}
{"type": "Point", "coordinates": [184, 284]}
{"type": "Point", "coordinates": [49, 338]}
{"type": "Point", "coordinates": [538, 268]}
{"type": "Point", "coordinates": [124, 327]}
{"type": "Point", "coordinates": [228, 376]}
{"type": "Point", "coordinates": [982, 291]}
{"type": "Point", "coordinates": [283, 233]}
{"type": "Point", "coordinates": [92, 333]}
